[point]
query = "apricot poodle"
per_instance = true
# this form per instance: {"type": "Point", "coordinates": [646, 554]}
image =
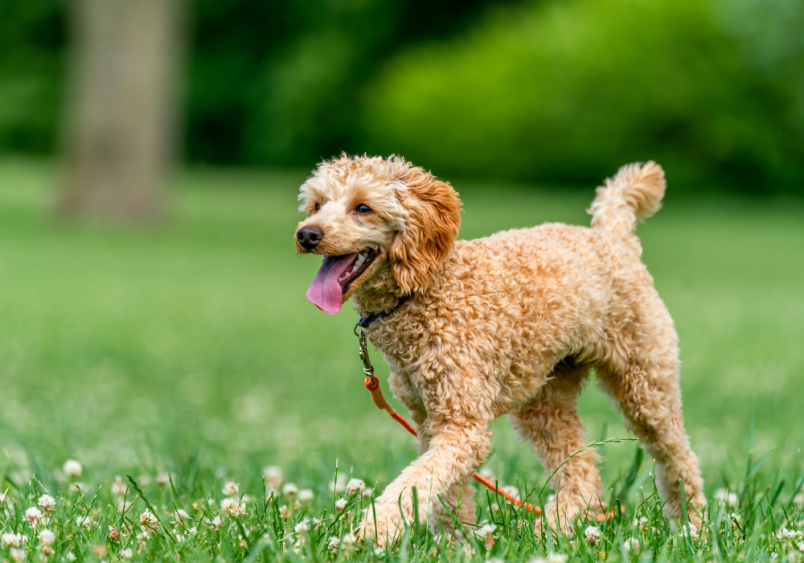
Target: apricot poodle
{"type": "Point", "coordinates": [507, 324]}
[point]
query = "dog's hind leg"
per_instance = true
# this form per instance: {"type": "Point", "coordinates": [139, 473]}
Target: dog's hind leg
{"type": "Point", "coordinates": [551, 424]}
{"type": "Point", "coordinates": [643, 381]}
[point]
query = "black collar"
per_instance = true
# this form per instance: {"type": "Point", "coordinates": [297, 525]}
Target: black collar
{"type": "Point", "coordinates": [364, 322]}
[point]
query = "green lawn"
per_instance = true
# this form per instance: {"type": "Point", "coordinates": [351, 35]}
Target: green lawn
{"type": "Point", "coordinates": [191, 347]}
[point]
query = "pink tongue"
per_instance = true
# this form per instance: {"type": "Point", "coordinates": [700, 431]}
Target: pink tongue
{"type": "Point", "coordinates": [325, 292]}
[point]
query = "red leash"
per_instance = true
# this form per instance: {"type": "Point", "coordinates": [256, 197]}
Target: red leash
{"type": "Point", "coordinates": [372, 383]}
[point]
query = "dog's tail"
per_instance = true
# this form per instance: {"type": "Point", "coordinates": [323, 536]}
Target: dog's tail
{"type": "Point", "coordinates": [634, 193]}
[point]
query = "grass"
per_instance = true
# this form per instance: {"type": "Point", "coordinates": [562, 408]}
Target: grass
{"type": "Point", "coordinates": [190, 351]}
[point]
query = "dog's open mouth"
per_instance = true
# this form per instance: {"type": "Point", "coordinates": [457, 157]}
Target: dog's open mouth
{"type": "Point", "coordinates": [335, 276]}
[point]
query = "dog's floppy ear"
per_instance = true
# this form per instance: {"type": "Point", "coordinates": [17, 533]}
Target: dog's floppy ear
{"type": "Point", "coordinates": [434, 217]}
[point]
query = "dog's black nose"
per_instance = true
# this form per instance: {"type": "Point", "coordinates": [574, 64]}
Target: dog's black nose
{"type": "Point", "coordinates": [309, 237]}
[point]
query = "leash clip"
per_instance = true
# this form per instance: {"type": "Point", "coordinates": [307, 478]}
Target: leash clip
{"type": "Point", "coordinates": [368, 369]}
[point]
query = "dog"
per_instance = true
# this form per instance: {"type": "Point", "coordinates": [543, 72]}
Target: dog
{"type": "Point", "coordinates": [508, 324]}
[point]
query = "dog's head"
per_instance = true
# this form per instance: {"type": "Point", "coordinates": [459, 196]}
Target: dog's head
{"type": "Point", "coordinates": [371, 215]}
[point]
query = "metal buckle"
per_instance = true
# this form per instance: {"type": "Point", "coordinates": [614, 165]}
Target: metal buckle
{"type": "Point", "coordinates": [368, 369]}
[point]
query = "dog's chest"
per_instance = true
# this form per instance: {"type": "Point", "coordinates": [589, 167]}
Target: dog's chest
{"type": "Point", "coordinates": [403, 355]}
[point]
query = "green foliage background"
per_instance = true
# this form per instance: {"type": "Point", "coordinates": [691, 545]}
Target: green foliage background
{"type": "Point", "coordinates": [553, 90]}
{"type": "Point", "coordinates": [565, 90]}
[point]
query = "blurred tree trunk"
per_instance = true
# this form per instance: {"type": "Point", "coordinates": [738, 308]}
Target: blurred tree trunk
{"type": "Point", "coordinates": [119, 134]}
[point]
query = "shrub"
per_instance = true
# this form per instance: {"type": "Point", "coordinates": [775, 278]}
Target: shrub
{"type": "Point", "coordinates": [570, 90]}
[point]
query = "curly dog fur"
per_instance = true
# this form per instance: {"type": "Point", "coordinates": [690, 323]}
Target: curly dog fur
{"type": "Point", "coordinates": [507, 324]}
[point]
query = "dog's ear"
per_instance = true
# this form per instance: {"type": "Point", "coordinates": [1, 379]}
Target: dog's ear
{"type": "Point", "coordinates": [434, 217]}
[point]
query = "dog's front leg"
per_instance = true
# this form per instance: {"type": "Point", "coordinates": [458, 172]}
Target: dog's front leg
{"type": "Point", "coordinates": [454, 449]}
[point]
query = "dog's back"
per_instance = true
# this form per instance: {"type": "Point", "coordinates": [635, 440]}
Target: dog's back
{"type": "Point", "coordinates": [566, 286]}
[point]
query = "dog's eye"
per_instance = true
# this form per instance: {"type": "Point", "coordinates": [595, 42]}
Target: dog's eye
{"type": "Point", "coordinates": [363, 208]}
{"type": "Point", "coordinates": [318, 206]}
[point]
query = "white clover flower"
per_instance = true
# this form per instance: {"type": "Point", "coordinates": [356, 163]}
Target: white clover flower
{"type": "Point", "coordinates": [340, 504]}
{"type": "Point", "coordinates": [592, 535]}
{"type": "Point", "coordinates": [47, 537]}
{"type": "Point", "coordinates": [368, 491]}
{"type": "Point", "coordinates": [283, 511]}
{"type": "Point", "coordinates": [70, 556]}
{"type": "Point", "coordinates": [333, 544]}
{"type": "Point", "coordinates": [123, 506]}
{"type": "Point", "coordinates": [17, 554]}
{"type": "Point", "coordinates": [349, 539]}
{"type": "Point", "coordinates": [148, 521]}
{"type": "Point", "coordinates": [217, 522]}
{"type": "Point", "coordinates": [290, 489]}
{"type": "Point", "coordinates": [306, 496]}
{"type": "Point", "coordinates": [181, 514]}
{"type": "Point", "coordinates": [192, 531]}
{"type": "Point", "coordinates": [643, 522]}
{"type": "Point", "coordinates": [77, 486]}
{"type": "Point", "coordinates": [118, 487]}
{"type": "Point", "coordinates": [487, 473]}
{"type": "Point", "coordinates": [162, 479]}
{"type": "Point", "coordinates": [273, 476]}
{"type": "Point", "coordinates": [495, 560]}
{"type": "Point", "coordinates": [693, 531]}
{"type": "Point", "coordinates": [551, 558]}
{"type": "Point", "coordinates": [355, 486]}
{"type": "Point", "coordinates": [486, 532]}
{"type": "Point", "coordinates": [379, 552]}
{"type": "Point", "coordinates": [486, 529]}
{"type": "Point", "coordinates": [631, 545]}
{"type": "Point", "coordinates": [724, 496]}
{"type": "Point", "coordinates": [230, 488]}
{"type": "Point", "coordinates": [85, 522]}
{"type": "Point", "coordinates": [798, 500]}
{"type": "Point", "coordinates": [33, 514]}
{"type": "Point", "coordinates": [127, 553]}
{"type": "Point", "coordinates": [11, 540]}
{"type": "Point", "coordinates": [73, 468]}
{"type": "Point", "coordinates": [784, 533]}
{"type": "Point", "coordinates": [48, 504]}
{"type": "Point", "coordinates": [800, 546]}
{"type": "Point", "coordinates": [338, 486]}
{"type": "Point", "coordinates": [302, 527]}
{"type": "Point", "coordinates": [233, 507]}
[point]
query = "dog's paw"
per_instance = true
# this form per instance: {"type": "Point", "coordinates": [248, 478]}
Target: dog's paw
{"type": "Point", "coordinates": [695, 510]}
{"type": "Point", "coordinates": [381, 530]}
